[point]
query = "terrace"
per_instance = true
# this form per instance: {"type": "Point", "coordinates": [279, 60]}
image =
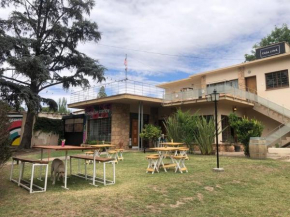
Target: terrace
{"type": "Point", "coordinates": [117, 88]}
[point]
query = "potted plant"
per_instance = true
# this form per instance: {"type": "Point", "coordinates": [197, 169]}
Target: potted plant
{"type": "Point", "coordinates": [150, 133]}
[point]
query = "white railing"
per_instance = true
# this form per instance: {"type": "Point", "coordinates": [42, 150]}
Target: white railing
{"type": "Point", "coordinates": [116, 88]}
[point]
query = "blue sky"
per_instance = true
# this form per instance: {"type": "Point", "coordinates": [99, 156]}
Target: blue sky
{"type": "Point", "coordinates": [219, 32]}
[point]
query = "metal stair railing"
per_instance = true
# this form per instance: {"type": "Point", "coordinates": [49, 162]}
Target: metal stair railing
{"type": "Point", "coordinates": [254, 98]}
{"type": "Point", "coordinates": [239, 94]}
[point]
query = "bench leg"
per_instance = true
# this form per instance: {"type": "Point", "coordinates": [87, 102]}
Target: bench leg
{"type": "Point", "coordinates": [86, 175]}
{"type": "Point", "coordinates": [31, 180]}
{"type": "Point", "coordinates": [114, 172]}
{"type": "Point", "coordinates": [45, 181]}
{"type": "Point", "coordinates": [21, 171]}
{"type": "Point", "coordinates": [11, 172]}
{"type": "Point", "coordinates": [94, 172]}
{"type": "Point", "coordinates": [104, 164]}
{"type": "Point", "coordinates": [70, 168]}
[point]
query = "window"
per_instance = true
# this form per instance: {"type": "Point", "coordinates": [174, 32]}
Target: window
{"type": "Point", "coordinates": [99, 129]}
{"type": "Point", "coordinates": [277, 79]}
{"type": "Point", "coordinates": [74, 125]}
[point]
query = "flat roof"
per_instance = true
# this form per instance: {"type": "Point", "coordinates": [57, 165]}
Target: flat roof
{"type": "Point", "coordinates": [120, 98]}
{"type": "Point", "coordinates": [227, 68]}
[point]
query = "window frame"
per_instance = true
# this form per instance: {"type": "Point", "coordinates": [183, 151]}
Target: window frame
{"type": "Point", "coordinates": [277, 87]}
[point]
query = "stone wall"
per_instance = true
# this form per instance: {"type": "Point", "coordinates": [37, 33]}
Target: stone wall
{"type": "Point", "coordinates": [120, 124]}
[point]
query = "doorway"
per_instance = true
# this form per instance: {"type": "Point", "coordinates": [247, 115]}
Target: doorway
{"type": "Point", "coordinates": [251, 84]}
{"type": "Point", "coordinates": [134, 132]}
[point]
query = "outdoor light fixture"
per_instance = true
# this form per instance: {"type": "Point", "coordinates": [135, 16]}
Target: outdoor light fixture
{"type": "Point", "coordinates": [214, 97]}
{"type": "Point", "coordinates": [235, 109]}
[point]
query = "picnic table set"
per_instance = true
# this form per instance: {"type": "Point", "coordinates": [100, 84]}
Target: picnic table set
{"type": "Point", "coordinates": [176, 153]}
{"type": "Point", "coordinates": [93, 155]}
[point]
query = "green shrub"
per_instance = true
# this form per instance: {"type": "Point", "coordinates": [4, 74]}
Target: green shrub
{"type": "Point", "coordinates": [150, 133]}
{"type": "Point", "coordinates": [245, 129]}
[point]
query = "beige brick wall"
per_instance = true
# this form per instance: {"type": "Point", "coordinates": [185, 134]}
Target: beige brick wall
{"type": "Point", "coordinates": [120, 124]}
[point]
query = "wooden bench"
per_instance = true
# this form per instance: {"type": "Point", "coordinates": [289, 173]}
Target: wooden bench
{"type": "Point", "coordinates": [152, 163]}
{"type": "Point", "coordinates": [28, 185]}
{"type": "Point", "coordinates": [94, 178]}
{"type": "Point", "coordinates": [180, 166]}
{"type": "Point", "coordinates": [120, 153]}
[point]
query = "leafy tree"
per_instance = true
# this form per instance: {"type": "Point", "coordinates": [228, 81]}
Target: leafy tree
{"type": "Point", "coordinates": [102, 92]}
{"type": "Point", "coordinates": [38, 43]}
{"type": "Point", "coordinates": [62, 106]}
{"type": "Point", "coordinates": [150, 132]}
{"type": "Point", "coordinates": [7, 95]}
{"type": "Point", "coordinates": [5, 153]}
{"type": "Point", "coordinates": [277, 35]}
{"type": "Point", "coordinates": [245, 129]}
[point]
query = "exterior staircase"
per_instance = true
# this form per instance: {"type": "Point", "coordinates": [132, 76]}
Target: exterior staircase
{"type": "Point", "coordinates": [285, 142]}
{"type": "Point", "coordinates": [266, 107]}
{"type": "Point", "coordinates": [261, 105]}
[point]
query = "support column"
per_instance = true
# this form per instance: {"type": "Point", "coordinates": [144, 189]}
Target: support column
{"type": "Point", "coordinates": [203, 85]}
{"type": "Point", "coordinates": [141, 128]}
{"type": "Point", "coordinates": [241, 78]}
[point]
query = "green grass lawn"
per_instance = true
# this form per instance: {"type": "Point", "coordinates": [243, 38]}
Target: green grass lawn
{"type": "Point", "coordinates": [246, 188]}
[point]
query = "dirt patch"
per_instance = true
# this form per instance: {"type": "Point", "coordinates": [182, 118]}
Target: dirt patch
{"type": "Point", "coordinates": [208, 188]}
{"type": "Point", "coordinates": [159, 190]}
{"type": "Point", "coordinates": [200, 197]}
{"type": "Point", "coordinates": [188, 198]}
{"type": "Point", "coordinates": [218, 186]}
{"type": "Point", "coordinates": [236, 182]}
{"type": "Point", "coordinates": [178, 203]}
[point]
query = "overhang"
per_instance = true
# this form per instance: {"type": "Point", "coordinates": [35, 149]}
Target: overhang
{"type": "Point", "coordinates": [121, 98]}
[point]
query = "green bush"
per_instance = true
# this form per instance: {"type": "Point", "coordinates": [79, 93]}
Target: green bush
{"type": "Point", "coordinates": [245, 129]}
{"type": "Point", "coordinates": [150, 132]}
{"type": "Point", "coordinates": [5, 152]}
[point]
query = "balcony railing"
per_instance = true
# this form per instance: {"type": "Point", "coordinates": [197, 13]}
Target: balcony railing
{"type": "Point", "coordinates": [116, 88]}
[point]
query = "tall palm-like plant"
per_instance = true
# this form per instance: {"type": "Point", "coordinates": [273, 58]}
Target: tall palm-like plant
{"type": "Point", "coordinates": [205, 134]}
{"type": "Point", "coordinates": [173, 128]}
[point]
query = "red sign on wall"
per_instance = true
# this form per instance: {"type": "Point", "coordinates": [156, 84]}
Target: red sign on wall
{"type": "Point", "coordinates": [98, 111]}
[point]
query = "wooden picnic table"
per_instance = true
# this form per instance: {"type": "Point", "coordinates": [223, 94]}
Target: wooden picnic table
{"type": "Point", "coordinates": [65, 148]}
{"type": "Point", "coordinates": [102, 146]}
{"type": "Point", "coordinates": [172, 143]}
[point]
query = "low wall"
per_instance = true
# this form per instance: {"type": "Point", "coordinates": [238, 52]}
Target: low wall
{"type": "Point", "coordinates": [280, 151]}
{"type": "Point", "coordinates": [40, 138]}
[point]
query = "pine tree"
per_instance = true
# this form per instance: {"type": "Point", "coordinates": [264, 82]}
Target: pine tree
{"type": "Point", "coordinates": [38, 43]}
{"type": "Point", "coordinates": [102, 92]}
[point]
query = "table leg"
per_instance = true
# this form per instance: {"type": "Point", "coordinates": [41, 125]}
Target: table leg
{"type": "Point", "coordinates": [41, 157]}
{"type": "Point", "coordinates": [65, 173]}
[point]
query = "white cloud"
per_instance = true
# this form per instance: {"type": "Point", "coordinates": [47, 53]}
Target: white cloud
{"type": "Point", "coordinates": [220, 30]}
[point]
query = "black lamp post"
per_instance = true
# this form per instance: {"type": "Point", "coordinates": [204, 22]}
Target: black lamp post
{"type": "Point", "coordinates": [214, 97]}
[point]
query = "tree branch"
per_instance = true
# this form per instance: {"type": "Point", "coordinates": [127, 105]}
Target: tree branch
{"type": "Point", "coordinates": [50, 85]}
{"type": "Point", "coordinates": [21, 82]}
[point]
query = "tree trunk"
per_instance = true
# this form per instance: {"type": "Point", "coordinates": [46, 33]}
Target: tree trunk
{"type": "Point", "coordinates": [27, 134]}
